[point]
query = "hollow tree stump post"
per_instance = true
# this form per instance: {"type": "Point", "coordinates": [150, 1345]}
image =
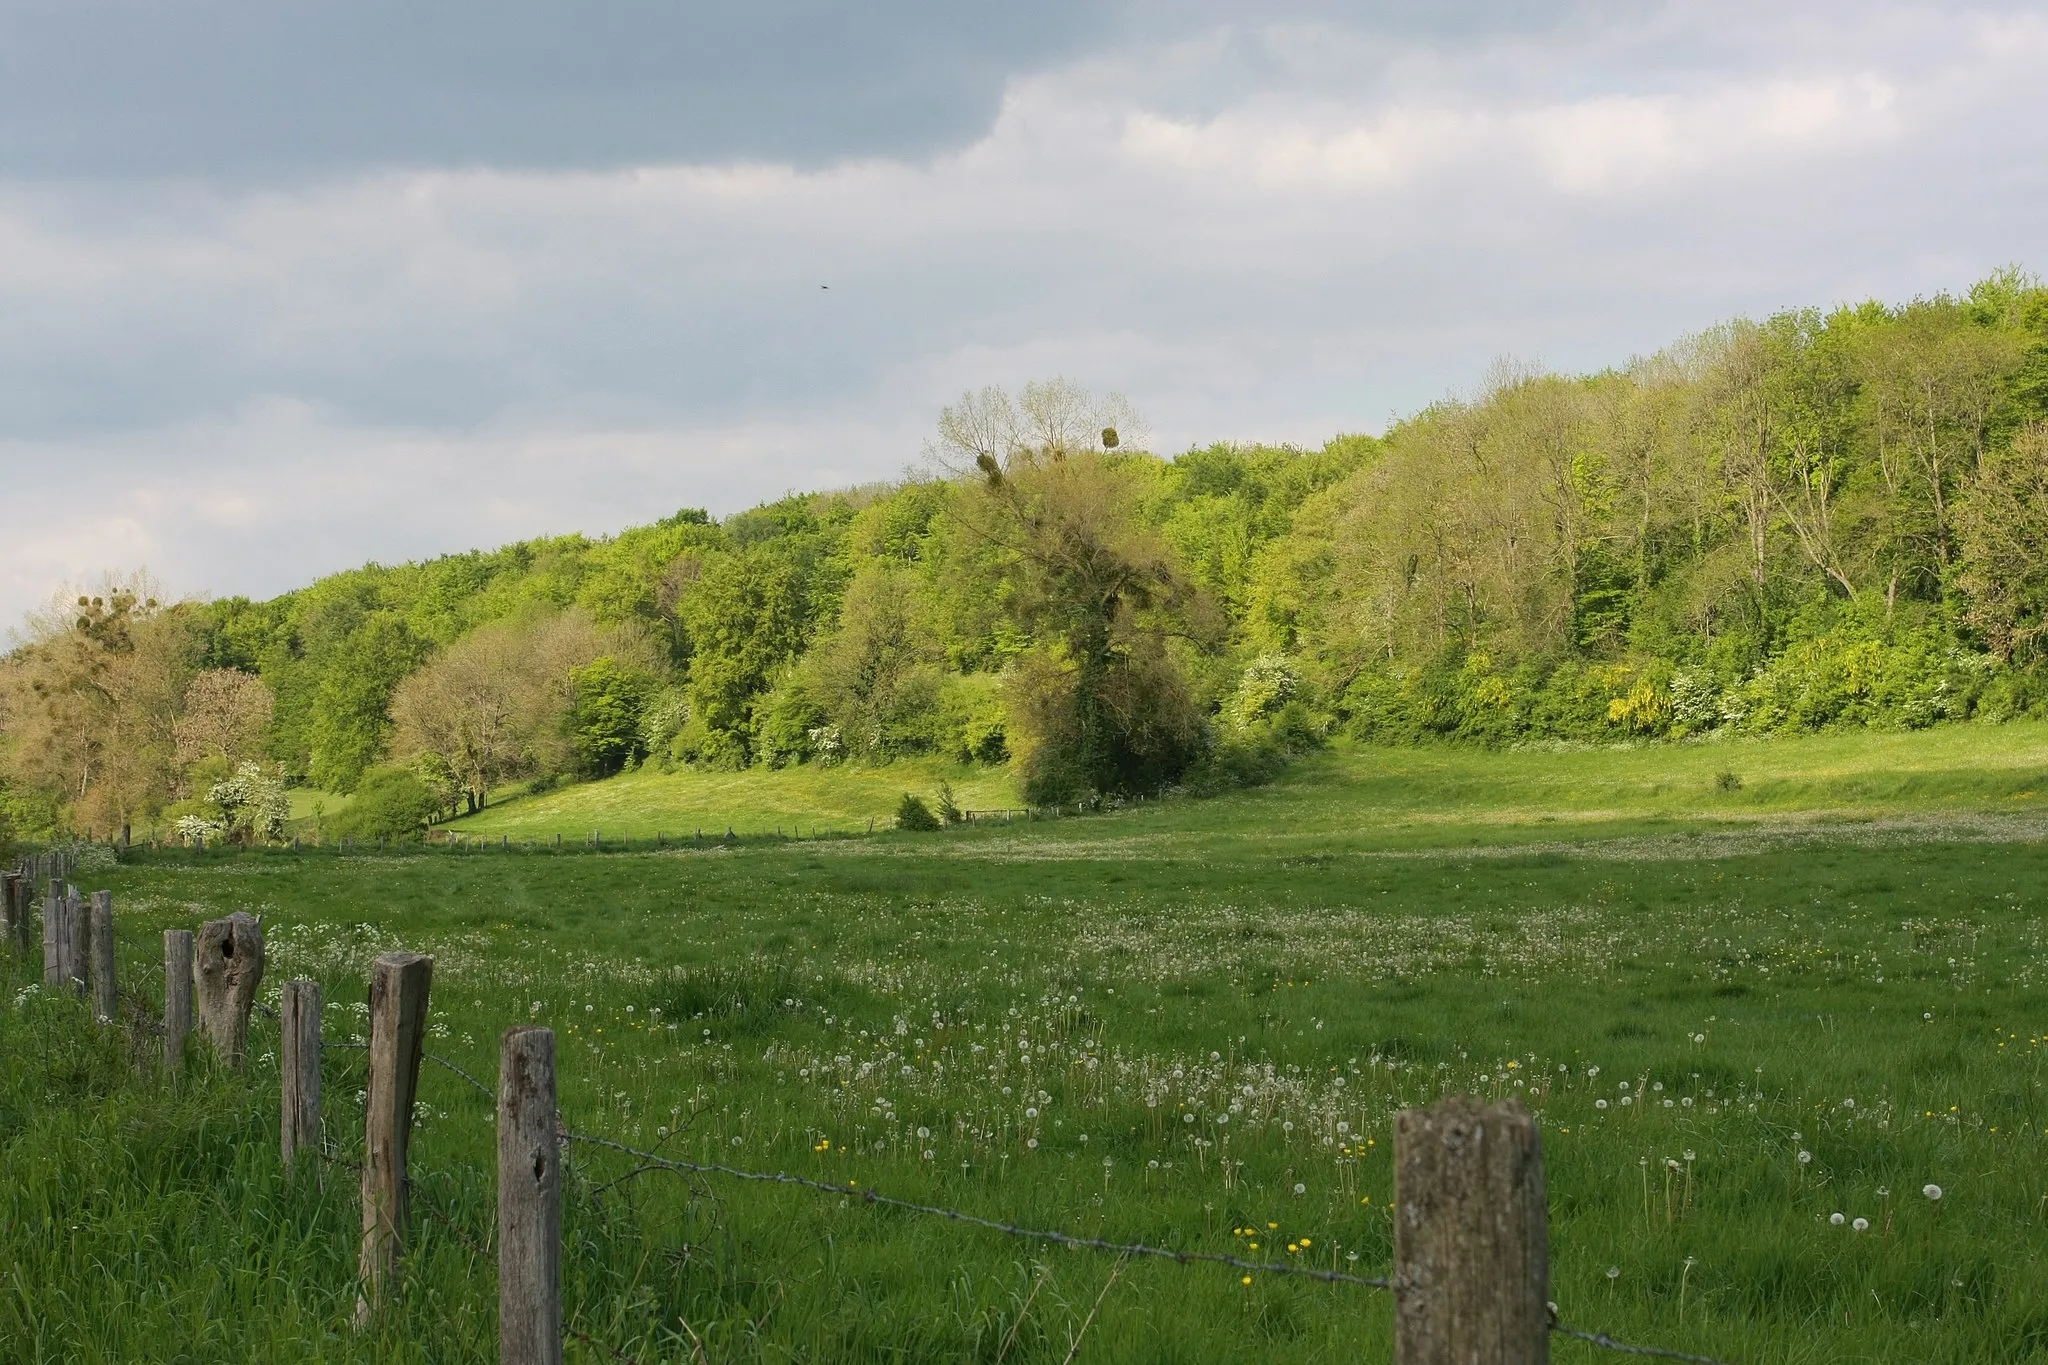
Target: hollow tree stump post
{"type": "Point", "coordinates": [299, 1055]}
{"type": "Point", "coordinates": [529, 1201]}
{"type": "Point", "coordinates": [230, 968]}
{"type": "Point", "coordinates": [177, 995]}
{"type": "Point", "coordinates": [101, 934]}
{"type": "Point", "coordinates": [398, 1018]}
{"type": "Point", "coordinates": [1471, 1236]}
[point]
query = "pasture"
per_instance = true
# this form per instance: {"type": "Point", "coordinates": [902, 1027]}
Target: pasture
{"type": "Point", "coordinates": [1738, 1010]}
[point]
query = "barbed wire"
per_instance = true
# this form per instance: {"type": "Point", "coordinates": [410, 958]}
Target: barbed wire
{"type": "Point", "coordinates": [650, 1161]}
{"type": "Point", "coordinates": [1608, 1343]}
{"type": "Point", "coordinates": [443, 1061]}
{"type": "Point", "coordinates": [426, 1056]}
{"type": "Point", "coordinates": [653, 1162]}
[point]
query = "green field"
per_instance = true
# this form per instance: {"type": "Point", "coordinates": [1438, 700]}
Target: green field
{"type": "Point", "coordinates": [809, 798]}
{"type": "Point", "coordinates": [1373, 797]}
{"type": "Point", "coordinates": [1166, 1024]}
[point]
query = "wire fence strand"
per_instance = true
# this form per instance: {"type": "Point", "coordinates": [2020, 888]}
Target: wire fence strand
{"type": "Point", "coordinates": [654, 1162]}
{"type": "Point", "coordinates": [1608, 1343]}
{"type": "Point", "coordinates": [650, 1161]}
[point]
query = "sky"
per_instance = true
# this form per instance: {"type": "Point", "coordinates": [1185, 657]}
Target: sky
{"type": "Point", "coordinates": [291, 285]}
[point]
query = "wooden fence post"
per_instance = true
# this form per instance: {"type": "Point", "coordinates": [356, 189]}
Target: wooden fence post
{"type": "Point", "coordinates": [102, 938]}
{"type": "Point", "coordinates": [56, 937]}
{"type": "Point", "coordinates": [299, 1070]}
{"type": "Point", "coordinates": [14, 895]}
{"type": "Point", "coordinates": [1471, 1236]}
{"type": "Point", "coordinates": [529, 1200]}
{"type": "Point", "coordinates": [230, 968]}
{"type": "Point", "coordinates": [78, 951]}
{"type": "Point", "coordinates": [177, 994]}
{"type": "Point", "coordinates": [398, 1018]}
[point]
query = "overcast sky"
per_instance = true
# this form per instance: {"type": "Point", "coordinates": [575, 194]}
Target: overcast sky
{"type": "Point", "coordinates": [288, 285]}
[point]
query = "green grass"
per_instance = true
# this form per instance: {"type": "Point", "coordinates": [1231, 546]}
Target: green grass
{"type": "Point", "coordinates": [755, 801]}
{"type": "Point", "coordinates": [1862, 921]}
{"type": "Point", "coordinates": [1374, 796]}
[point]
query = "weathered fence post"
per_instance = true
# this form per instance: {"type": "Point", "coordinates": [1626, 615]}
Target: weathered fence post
{"type": "Point", "coordinates": [177, 994]}
{"type": "Point", "coordinates": [1471, 1236]}
{"type": "Point", "coordinates": [102, 937]}
{"type": "Point", "coordinates": [299, 1070]}
{"type": "Point", "coordinates": [398, 1017]}
{"type": "Point", "coordinates": [230, 969]}
{"type": "Point", "coordinates": [529, 1200]}
{"type": "Point", "coordinates": [13, 911]}
{"type": "Point", "coordinates": [56, 937]}
{"type": "Point", "coordinates": [78, 949]}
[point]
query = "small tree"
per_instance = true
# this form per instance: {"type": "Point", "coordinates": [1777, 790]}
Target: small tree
{"type": "Point", "coordinates": [913, 813]}
{"type": "Point", "coordinates": [604, 720]}
{"type": "Point", "coordinates": [1098, 703]}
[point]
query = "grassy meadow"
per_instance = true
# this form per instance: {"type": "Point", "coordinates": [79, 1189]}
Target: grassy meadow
{"type": "Point", "coordinates": [1740, 1010]}
{"type": "Point", "coordinates": [802, 799]}
{"type": "Point", "coordinates": [1369, 796]}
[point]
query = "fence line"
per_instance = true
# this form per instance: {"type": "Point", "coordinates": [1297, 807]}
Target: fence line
{"type": "Point", "coordinates": [1464, 1260]}
{"type": "Point", "coordinates": [463, 841]}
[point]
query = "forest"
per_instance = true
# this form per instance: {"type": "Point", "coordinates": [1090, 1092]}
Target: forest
{"type": "Point", "coordinates": [1822, 519]}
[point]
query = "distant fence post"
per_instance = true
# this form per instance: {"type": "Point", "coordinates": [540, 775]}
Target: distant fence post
{"type": "Point", "coordinates": [299, 1057]}
{"type": "Point", "coordinates": [177, 994]}
{"type": "Point", "coordinates": [102, 936]}
{"type": "Point", "coordinates": [1471, 1237]}
{"type": "Point", "coordinates": [56, 936]}
{"type": "Point", "coordinates": [78, 947]}
{"type": "Point", "coordinates": [529, 1200]}
{"type": "Point", "coordinates": [398, 1017]}
{"type": "Point", "coordinates": [14, 911]}
{"type": "Point", "coordinates": [230, 969]}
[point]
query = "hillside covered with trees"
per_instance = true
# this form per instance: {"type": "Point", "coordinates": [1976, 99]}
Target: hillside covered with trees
{"type": "Point", "coordinates": [1822, 519]}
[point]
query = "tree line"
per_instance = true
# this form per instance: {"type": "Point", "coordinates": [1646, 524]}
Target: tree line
{"type": "Point", "coordinates": [1819, 519]}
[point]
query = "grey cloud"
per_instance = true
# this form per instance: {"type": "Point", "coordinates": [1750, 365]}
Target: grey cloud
{"type": "Point", "coordinates": [291, 87]}
{"type": "Point", "coordinates": [270, 89]}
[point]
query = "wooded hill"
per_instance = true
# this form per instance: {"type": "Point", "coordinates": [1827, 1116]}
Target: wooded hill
{"type": "Point", "coordinates": [1821, 519]}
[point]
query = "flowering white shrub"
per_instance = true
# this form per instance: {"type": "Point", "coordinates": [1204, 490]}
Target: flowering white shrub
{"type": "Point", "coordinates": [252, 803]}
{"type": "Point", "coordinates": [193, 828]}
{"type": "Point", "coordinates": [1269, 683]}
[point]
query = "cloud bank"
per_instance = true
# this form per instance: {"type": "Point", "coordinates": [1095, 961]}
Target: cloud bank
{"type": "Point", "coordinates": [277, 305]}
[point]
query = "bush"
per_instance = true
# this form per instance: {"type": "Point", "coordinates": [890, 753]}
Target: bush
{"type": "Point", "coordinates": [1239, 758]}
{"type": "Point", "coordinates": [390, 803]}
{"type": "Point", "coordinates": [913, 813]}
